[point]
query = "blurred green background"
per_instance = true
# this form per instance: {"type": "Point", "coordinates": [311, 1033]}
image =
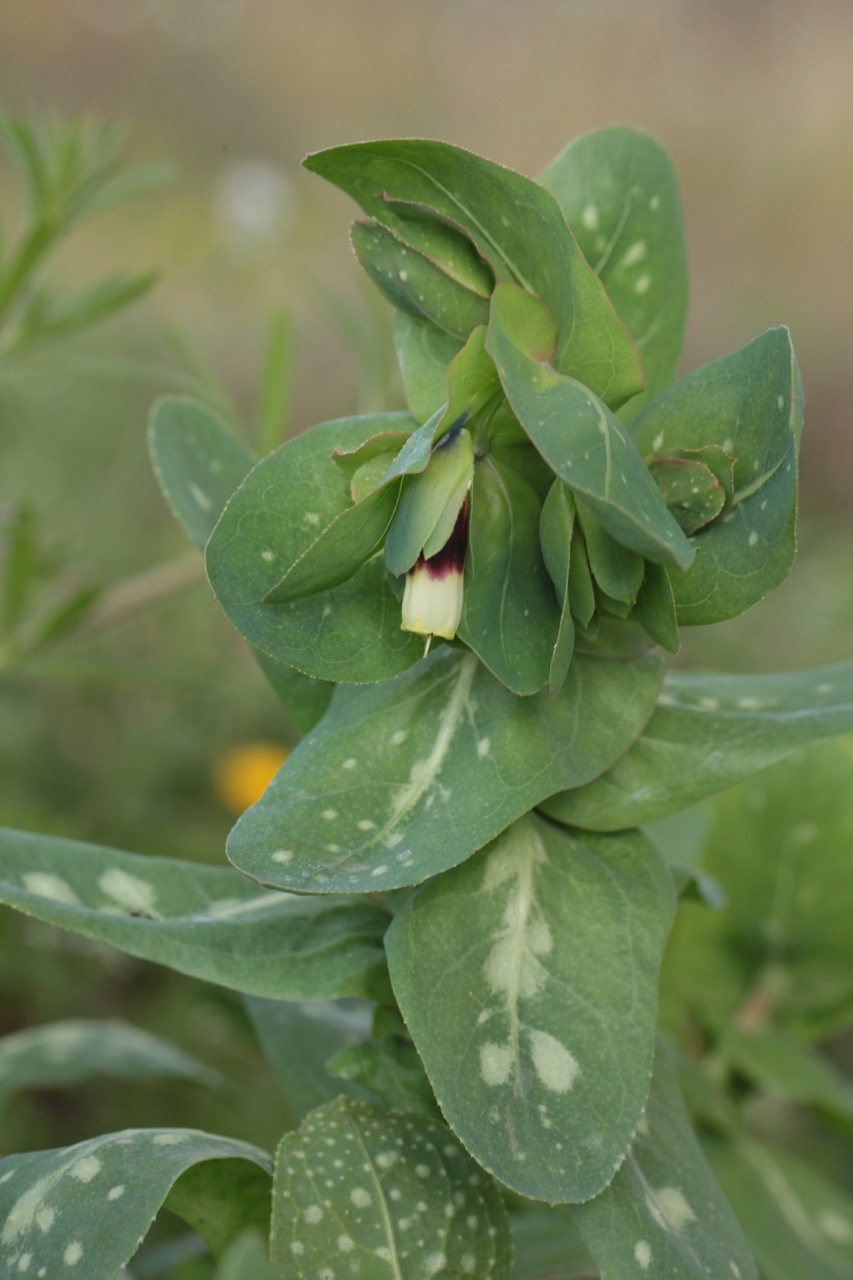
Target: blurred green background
{"type": "Point", "coordinates": [115, 735]}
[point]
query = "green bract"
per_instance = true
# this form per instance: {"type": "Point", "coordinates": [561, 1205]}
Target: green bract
{"type": "Point", "coordinates": [464, 850]}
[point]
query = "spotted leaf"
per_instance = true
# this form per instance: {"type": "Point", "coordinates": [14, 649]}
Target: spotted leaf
{"type": "Point", "coordinates": [528, 979]}
{"type": "Point", "coordinates": [517, 227]}
{"type": "Point", "coordinates": [350, 632]}
{"type": "Point", "coordinates": [83, 1210]}
{"type": "Point", "coordinates": [381, 1195]}
{"type": "Point", "coordinates": [199, 463]}
{"type": "Point", "coordinates": [402, 780]}
{"type": "Point", "coordinates": [204, 921]}
{"type": "Point", "coordinates": [619, 194]}
{"type": "Point", "coordinates": [750, 404]}
{"type": "Point", "coordinates": [707, 733]}
{"type": "Point", "coordinates": [663, 1214]}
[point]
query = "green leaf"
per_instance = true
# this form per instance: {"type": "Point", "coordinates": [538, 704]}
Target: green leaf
{"type": "Point", "coordinates": [60, 1054]}
{"type": "Point", "coordinates": [779, 846]}
{"type": "Point", "coordinates": [247, 1258]}
{"type": "Point", "coordinates": [203, 921]}
{"type": "Point", "coordinates": [431, 502]}
{"type": "Point", "coordinates": [83, 1210]}
{"type": "Point", "coordinates": [198, 462]}
{"type": "Point", "coordinates": [416, 283]}
{"type": "Point", "coordinates": [516, 226]}
{"type": "Point", "coordinates": [341, 549]}
{"type": "Point", "coordinates": [528, 979]}
{"type": "Point", "coordinates": [392, 1191]}
{"type": "Point", "coordinates": [663, 1214]}
{"type": "Point", "coordinates": [749, 403]}
{"type": "Point", "coordinates": [424, 353]}
{"type": "Point", "coordinates": [556, 527]}
{"type": "Point", "coordinates": [276, 388]}
{"type": "Point", "coordinates": [391, 1072]}
{"type": "Point", "coordinates": [619, 194]}
{"type": "Point", "coordinates": [364, 802]}
{"type": "Point", "coordinates": [778, 1062]}
{"type": "Point", "coordinates": [577, 435]}
{"type": "Point", "coordinates": [351, 632]}
{"type": "Point", "coordinates": [690, 490]}
{"type": "Point", "coordinates": [655, 607]}
{"type": "Point", "coordinates": [707, 733]}
{"type": "Point", "coordinates": [618, 571]}
{"type": "Point", "coordinates": [319, 1030]}
{"type": "Point", "coordinates": [799, 1223]}
{"type": "Point", "coordinates": [220, 1199]}
{"type": "Point", "coordinates": [510, 615]}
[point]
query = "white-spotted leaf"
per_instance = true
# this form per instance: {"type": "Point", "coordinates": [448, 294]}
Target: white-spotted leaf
{"type": "Point", "coordinates": [517, 227]}
{"type": "Point", "coordinates": [750, 404]}
{"type": "Point", "coordinates": [383, 1195]}
{"type": "Point", "coordinates": [707, 733]}
{"type": "Point", "coordinates": [402, 780]}
{"type": "Point", "coordinates": [528, 979]}
{"type": "Point", "coordinates": [663, 1215]}
{"type": "Point", "coordinates": [350, 632]}
{"type": "Point", "coordinates": [204, 921]}
{"type": "Point", "coordinates": [82, 1211]}
{"type": "Point", "coordinates": [577, 435]}
{"type": "Point", "coordinates": [619, 194]}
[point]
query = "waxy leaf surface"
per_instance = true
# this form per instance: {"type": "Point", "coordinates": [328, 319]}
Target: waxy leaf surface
{"type": "Point", "coordinates": [402, 780]}
{"type": "Point", "coordinates": [423, 354]}
{"type": "Point", "coordinates": [204, 921]}
{"type": "Point", "coordinates": [663, 1215]}
{"type": "Point", "coordinates": [619, 194]}
{"type": "Point", "coordinates": [383, 1195]}
{"type": "Point", "coordinates": [707, 733]}
{"type": "Point", "coordinates": [83, 1210]}
{"type": "Point", "coordinates": [528, 979]}
{"type": "Point", "coordinates": [351, 632]}
{"type": "Point", "coordinates": [579, 438]}
{"type": "Point", "coordinates": [518, 228]}
{"type": "Point", "coordinates": [749, 403]}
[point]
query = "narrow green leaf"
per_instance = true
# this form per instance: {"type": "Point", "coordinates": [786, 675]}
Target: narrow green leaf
{"type": "Point", "coordinates": [21, 563]}
{"type": "Point", "coordinates": [750, 404]}
{"type": "Point", "coordinates": [415, 283]}
{"type": "Point", "coordinates": [655, 607]}
{"type": "Point", "coordinates": [391, 1191]}
{"type": "Point", "coordinates": [341, 549]}
{"type": "Point", "coordinates": [528, 979]}
{"type": "Point", "coordinates": [510, 615]}
{"type": "Point", "coordinates": [83, 1210]}
{"type": "Point", "coordinates": [276, 383]}
{"type": "Point", "coordinates": [61, 1054]}
{"type": "Point", "coordinates": [556, 526]}
{"type": "Point", "coordinates": [424, 353]}
{"type": "Point", "coordinates": [579, 438]}
{"type": "Point", "coordinates": [364, 802]}
{"type": "Point", "coordinates": [351, 632]}
{"type": "Point", "coordinates": [798, 1222]}
{"type": "Point", "coordinates": [618, 571]}
{"type": "Point", "coordinates": [204, 921]}
{"type": "Point", "coordinates": [619, 194]}
{"type": "Point", "coordinates": [663, 1214]}
{"type": "Point", "coordinates": [518, 228]}
{"type": "Point", "coordinates": [707, 733]}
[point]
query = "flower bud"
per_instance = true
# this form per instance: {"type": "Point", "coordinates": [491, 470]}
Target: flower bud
{"type": "Point", "coordinates": [432, 598]}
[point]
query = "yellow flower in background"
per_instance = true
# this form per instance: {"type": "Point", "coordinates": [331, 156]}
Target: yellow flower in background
{"type": "Point", "coordinates": [244, 773]}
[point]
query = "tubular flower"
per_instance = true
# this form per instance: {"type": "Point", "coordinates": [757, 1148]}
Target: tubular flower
{"type": "Point", "coordinates": [432, 598]}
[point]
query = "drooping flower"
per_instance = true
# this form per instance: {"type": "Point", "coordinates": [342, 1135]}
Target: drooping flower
{"type": "Point", "coordinates": [433, 595]}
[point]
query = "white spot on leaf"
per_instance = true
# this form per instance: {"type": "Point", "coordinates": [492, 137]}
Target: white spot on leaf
{"type": "Point", "coordinates": [555, 1065]}
{"type": "Point", "coordinates": [47, 885]}
{"type": "Point", "coordinates": [129, 892]}
{"type": "Point", "coordinates": [643, 1254]}
{"type": "Point", "coordinates": [495, 1063]}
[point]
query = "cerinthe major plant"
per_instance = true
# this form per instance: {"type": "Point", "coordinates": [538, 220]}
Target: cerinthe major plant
{"type": "Point", "coordinates": [459, 838]}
